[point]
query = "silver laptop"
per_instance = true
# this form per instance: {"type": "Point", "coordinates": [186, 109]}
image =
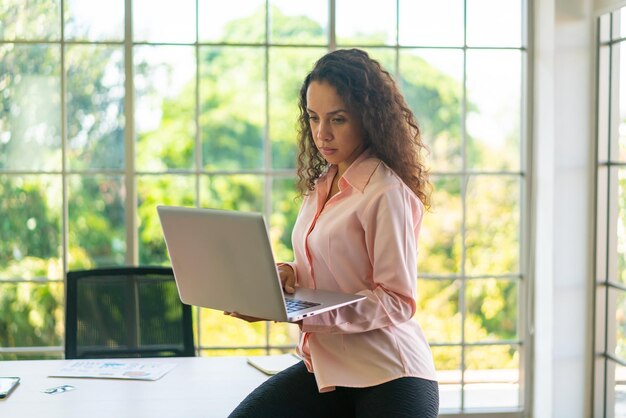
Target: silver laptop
{"type": "Point", "coordinates": [223, 260]}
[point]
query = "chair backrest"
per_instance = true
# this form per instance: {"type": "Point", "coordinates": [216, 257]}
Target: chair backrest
{"type": "Point", "coordinates": [126, 312]}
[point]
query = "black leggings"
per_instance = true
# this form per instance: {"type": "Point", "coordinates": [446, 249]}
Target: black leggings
{"type": "Point", "coordinates": [294, 393]}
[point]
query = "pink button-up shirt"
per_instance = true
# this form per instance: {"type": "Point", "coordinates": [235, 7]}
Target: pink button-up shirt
{"type": "Point", "coordinates": [362, 240]}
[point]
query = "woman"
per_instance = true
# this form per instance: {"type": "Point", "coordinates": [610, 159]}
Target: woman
{"type": "Point", "coordinates": [365, 190]}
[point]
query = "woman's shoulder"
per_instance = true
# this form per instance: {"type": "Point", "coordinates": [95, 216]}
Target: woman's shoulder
{"type": "Point", "coordinates": [385, 181]}
{"type": "Point", "coordinates": [384, 176]}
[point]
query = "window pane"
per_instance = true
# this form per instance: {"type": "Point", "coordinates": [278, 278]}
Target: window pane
{"type": "Point", "coordinates": [158, 21]}
{"type": "Point", "coordinates": [605, 27]}
{"type": "Point", "coordinates": [283, 334]}
{"type": "Point", "coordinates": [486, 18]}
{"type": "Point", "coordinates": [604, 97]}
{"type": "Point", "coordinates": [602, 296]}
{"type": "Point", "coordinates": [288, 68]}
{"type": "Point", "coordinates": [94, 20]}
{"type": "Point", "coordinates": [153, 191]}
{"type": "Point", "coordinates": [232, 21]}
{"type": "Point", "coordinates": [299, 22]}
{"type": "Point", "coordinates": [618, 150]}
{"type": "Point", "coordinates": [440, 236]}
{"type": "Point", "coordinates": [26, 20]}
{"type": "Point", "coordinates": [432, 84]}
{"type": "Point", "coordinates": [30, 227]}
{"type": "Point", "coordinates": [493, 99]}
{"type": "Point", "coordinates": [491, 310]}
{"type": "Point", "coordinates": [366, 22]}
{"type": "Point", "coordinates": [285, 207]}
{"type": "Point", "coordinates": [615, 323]}
{"type": "Point", "coordinates": [603, 228]}
{"type": "Point", "coordinates": [492, 377]}
{"type": "Point", "coordinates": [235, 351]}
{"type": "Point", "coordinates": [97, 222]}
{"type": "Point", "coordinates": [30, 110]}
{"type": "Point", "coordinates": [493, 228]}
{"type": "Point", "coordinates": [618, 297]}
{"type": "Point", "coordinates": [232, 108]}
{"type": "Point", "coordinates": [621, 226]}
{"type": "Point", "coordinates": [448, 367]}
{"type": "Point", "coordinates": [438, 310]}
{"type": "Point", "coordinates": [432, 23]}
{"type": "Point", "coordinates": [35, 355]}
{"type": "Point", "coordinates": [620, 391]}
{"type": "Point", "coordinates": [95, 107]}
{"type": "Point", "coordinates": [386, 57]}
{"type": "Point", "coordinates": [236, 192]}
{"type": "Point", "coordinates": [30, 315]}
{"type": "Point", "coordinates": [165, 91]}
{"type": "Point", "coordinates": [619, 23]}
{"type": "Point", "coordinates": [609, 187]}
{"type": "Point", "coordinates": [219, 330]}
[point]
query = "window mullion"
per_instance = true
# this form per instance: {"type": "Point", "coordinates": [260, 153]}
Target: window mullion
{"type": "Point", "coordinates": [132, 248]}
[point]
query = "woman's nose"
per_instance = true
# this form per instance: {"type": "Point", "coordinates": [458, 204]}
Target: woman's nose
{"type": "Point", "coordinates": [323, 132]}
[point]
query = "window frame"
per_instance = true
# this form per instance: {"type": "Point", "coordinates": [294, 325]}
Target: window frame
{"type": "Point", "coordinates": [130, 175]}
{"type": "Point", "coordinates": [607, 288]}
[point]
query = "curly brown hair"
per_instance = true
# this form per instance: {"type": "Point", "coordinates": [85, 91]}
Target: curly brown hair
{"type": "Point", "coordinates": [370, 94]}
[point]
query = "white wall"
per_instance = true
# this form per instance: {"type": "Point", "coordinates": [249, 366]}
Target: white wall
{"type": "Point", "coordinates": [563, 110]}
{"type": "Point", "coordinates": [603, 6]}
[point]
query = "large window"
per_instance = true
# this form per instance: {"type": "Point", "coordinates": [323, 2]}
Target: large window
{"type": "Point", "coordinates": [610, 272]}
{"type": "Point", "coordinates": [108, 108]}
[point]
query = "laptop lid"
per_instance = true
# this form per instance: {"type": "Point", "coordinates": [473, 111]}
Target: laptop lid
{"type": "Point", "coordinates": [223, 260]}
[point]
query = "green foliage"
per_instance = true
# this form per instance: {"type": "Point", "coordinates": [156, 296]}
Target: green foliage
{"type": "Point", "coordinates": [30, 107]}
{"type": "Point", "coordinates": [152, 191]}
{"type": "Point", "coordinates": [29, 19]}
{"type": "Point", "coordinates": [232, 106]}
{"type": "Point", "coordinates": [97, 222]}
{"type": "Point", "coordinates": [30, 314]}
{"type": "Point", "coordinates": [30, 222]}
{"type": "Point", "coordinates": [95, 105]}
{"type": "Point", "coordinates": [295, 29]}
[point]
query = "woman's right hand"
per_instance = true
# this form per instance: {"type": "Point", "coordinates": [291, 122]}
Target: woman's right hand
{"type": "Point", "coordinates": [244, 317]}
{"type": "Point", "coordinates": [287, 278]}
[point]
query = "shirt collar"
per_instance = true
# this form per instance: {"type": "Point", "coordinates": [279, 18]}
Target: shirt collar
{"type": "Point", "coordinates": [360, 171]}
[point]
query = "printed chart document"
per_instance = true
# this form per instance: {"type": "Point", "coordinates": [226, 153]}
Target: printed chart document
{"type": "Point", "coordinates": [271, 365]}
{"type": "Point", "coordinates": [114, 369]}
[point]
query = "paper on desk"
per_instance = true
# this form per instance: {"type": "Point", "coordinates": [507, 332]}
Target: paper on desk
{"type": "Point", "coordinates": [271, 365]}
{"type": "Point", "coordinates": [114, 369]}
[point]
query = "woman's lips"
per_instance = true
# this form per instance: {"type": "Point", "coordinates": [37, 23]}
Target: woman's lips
{"type": "Point", "coordinates": [327, 151]}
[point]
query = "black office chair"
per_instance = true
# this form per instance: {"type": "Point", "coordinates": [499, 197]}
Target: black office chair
{"type": "Point", "coordinates": [126, 312]}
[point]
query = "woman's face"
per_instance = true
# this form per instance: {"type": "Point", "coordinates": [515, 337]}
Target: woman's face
{"type": "Point", "coordinates": [337, 133]}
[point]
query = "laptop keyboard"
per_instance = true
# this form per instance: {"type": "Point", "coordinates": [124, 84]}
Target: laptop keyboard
{"type": "Point", "coordinates": [296, 304]}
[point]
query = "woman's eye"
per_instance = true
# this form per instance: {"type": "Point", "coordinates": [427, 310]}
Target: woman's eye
{"type": "Point", "coordinates": [338, 120]}
{"type": "Point", "coordinates": [312, 118]}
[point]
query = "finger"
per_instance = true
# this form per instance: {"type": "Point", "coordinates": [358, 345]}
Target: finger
{"type": "Point", "coordinates": [246, 317]}
{"type": "Point", "coordinates": [290, 285]}
{"type": "Point", "coordinates": [287, 279]}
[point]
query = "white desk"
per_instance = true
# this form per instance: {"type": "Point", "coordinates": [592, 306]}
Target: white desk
{"type": "Point", "coordinates": [196, 387]}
